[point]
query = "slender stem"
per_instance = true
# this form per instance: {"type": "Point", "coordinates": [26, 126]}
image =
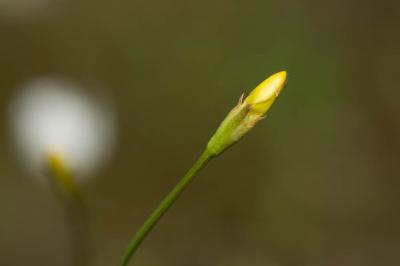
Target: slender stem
{"type": "Point", "coordinates": [78, 224]}
{"type": "Point", "coordinates": [165, 204]}
{"type": "Point", "coordinates": [68, 193]}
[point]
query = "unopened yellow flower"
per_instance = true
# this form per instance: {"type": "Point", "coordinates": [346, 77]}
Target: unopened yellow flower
{"type": "Point", "coordinates": [244, 116]}
{"type": "Point", "coordinates": [264, 95]}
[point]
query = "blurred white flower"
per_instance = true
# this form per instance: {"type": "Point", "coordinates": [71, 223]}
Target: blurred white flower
{"type": "Point", "coordinates": [52, 116]}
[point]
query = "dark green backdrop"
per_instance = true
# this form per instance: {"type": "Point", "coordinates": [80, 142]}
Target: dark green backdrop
{"type": "Point", "coordinates": [316, 184]}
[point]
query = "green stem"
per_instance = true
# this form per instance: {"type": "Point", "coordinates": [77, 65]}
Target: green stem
{"type": "Point", "coordinates": [78, 222]}
{"type": "Point", "coordinates": [165, 204]}
{"type": "Point", "coordinates": [70, 197]}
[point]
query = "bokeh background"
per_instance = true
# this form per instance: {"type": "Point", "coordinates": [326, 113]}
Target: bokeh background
{"type": "Point", "coordinates": [317, 183]}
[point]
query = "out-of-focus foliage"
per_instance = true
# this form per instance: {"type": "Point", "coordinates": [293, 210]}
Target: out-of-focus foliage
{"type": "Point", "coordinates": [316, 184]}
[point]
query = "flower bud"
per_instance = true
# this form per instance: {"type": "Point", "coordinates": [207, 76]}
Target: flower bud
{"type": "Point", "coordinates": [264, 95]}
{"type": "Point", "coordinates": [247, 113]}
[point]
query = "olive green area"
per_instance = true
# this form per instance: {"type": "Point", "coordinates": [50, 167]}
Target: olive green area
{"type": "Point", "coordinates": [315, 184]}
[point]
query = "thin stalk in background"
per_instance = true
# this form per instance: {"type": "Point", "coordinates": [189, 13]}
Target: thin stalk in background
{"type": "Point", "coordinates": [75, 211]}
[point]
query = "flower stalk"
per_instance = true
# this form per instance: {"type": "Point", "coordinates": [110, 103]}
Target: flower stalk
{"type": "Point", "coordinates": [69, 195]}
{"type": "Point", "coordinates": [165, 204]}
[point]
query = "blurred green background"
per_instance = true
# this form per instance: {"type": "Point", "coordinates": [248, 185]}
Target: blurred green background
{"type": "Point", "coordinates": [317, 183]}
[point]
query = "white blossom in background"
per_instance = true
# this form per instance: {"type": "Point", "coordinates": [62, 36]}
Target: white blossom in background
{"type": "Point", "coordinates": [53, 116]}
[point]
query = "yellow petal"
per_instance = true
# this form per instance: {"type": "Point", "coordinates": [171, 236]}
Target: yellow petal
{"type": "Point", "coordinates": [263, 96]}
